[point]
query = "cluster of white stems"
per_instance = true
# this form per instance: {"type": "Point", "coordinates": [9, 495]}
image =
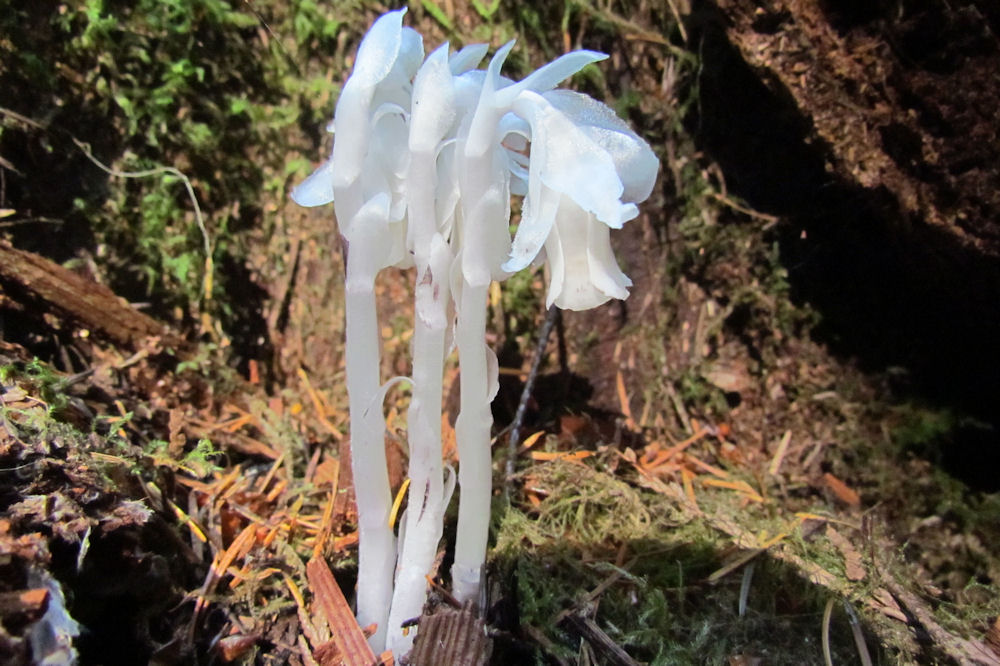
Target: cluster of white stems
{"type": "Point", "coordinates": [426, 155]}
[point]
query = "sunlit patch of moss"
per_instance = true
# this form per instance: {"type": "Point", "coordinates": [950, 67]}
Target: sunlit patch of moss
{"type": "Point", "coordinates": [640, 568]}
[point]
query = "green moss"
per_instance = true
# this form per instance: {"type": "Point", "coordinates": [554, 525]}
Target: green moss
{"type": "Point", "coordinates": [640, 568]}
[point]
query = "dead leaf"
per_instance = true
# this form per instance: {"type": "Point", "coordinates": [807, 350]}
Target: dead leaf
{"type": "Point", "coordinates": [854, 567]}
{"type": "Point", "coordinates": [177, 437]}
{"type": "Point", "coordinates": [842, 491]}
{"type": "Point", "coordinates": [730, 376]}
{"type": "Point", "coordinates": [133, 512]}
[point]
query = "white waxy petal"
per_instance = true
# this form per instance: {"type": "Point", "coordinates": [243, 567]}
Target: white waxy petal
{"type": "Point", "coordinates": [467, 58]}
{"type": "Point", "coordinates": [635, 161]}
{"type": "Point", "coordinates": [550, 75]}
{"type": "Point", "coordinates": [367, 248]}
{"type": "Point", "coordinates": [537, 218]}
{"type": "Point", "coordinates": [605, 274]}
{"type": "Point", "coordinates": [482, 131]}
{"type": "Point", "coordinates": [411, 53]}
{"type": "Point", "coordinates": [582, 267]}
{"type": "Point", "coordinates": [379, 49]}
{"type": "Point", "coordinates": [351, 145]}
{"type": "Point", "coordinates": [433, 107]}
{"type": "Point", "coordinates": [388, 56]}
{"type": "Point", "coordinates": [568, 161]}
{"type": "Point", "coordinates": [317, 189]}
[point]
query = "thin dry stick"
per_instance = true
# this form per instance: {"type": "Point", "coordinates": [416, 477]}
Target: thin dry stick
{"type": "Point", "coordinates": [745, 587]}
{"type": "Point", "coordinates": [827, 613]}
{"type": "Point", "coordinates": [858, 633]}
{"type": "Point", "coordinates": [515, 429]}
{"type": "Point", "coordinates": [207, 283]}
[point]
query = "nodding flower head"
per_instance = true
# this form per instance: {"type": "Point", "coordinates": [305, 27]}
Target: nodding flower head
{"type": "Point", "coordinates": [366, 174]}
{"type": "Point", "coordinates": [586, 170]}
{"type": "Point", "coordinates": [372, 112]}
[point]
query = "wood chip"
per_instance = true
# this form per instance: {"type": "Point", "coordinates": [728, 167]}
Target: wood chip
{"type": "Point", "coordinates": [333, 607]}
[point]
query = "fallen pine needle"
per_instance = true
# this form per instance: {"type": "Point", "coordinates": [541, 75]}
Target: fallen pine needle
{"type": "Point", "coordinates": [773, 540]}
{"type": "Point", "coordinates": [247, 573]}
{"type": "Point", "coordinates": [237, 549]}
{"type": "Point", "coordinates": [741, 486]}
{"type": "Point", "coordinates": [779, 455]}
{"type": "Point", "coordinates": [398, 502]}
{"type": "Point", "coordinates": [680, 446]}
{"type": "Point", "coordinates": [308, 628]}
{"type": "Point", "coordinates": [686, 477]}
{"type": "Point", "coordinates": [803, 517]}
{"type": "Point", "coordinates": [276, 491]}
{"type": "Point", "coordinates": [624, 402]}
{"type": "Point", "coordinates": [327, 524]}
{"type": "Point", "coordinates": [532, 440]}
{"type": "Point", "coordinates": [711, 469]}
{"type": "Point", "coordinates": [346, 541]}
{"type": "Point", "coordinates": [266, 480]}
{"type": "Point", "coordinates": [187, 520]}
{"type": "Point", "coordinates": [320, 408]}
{"type": "Point", "coordinates": [742, 559]}
{"type": "Point", "coordinates": [569, 456]}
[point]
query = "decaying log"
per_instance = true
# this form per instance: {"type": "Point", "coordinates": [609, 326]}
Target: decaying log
{"type": "Point", "coordinates": [905, 97]}
{"type": "Point", "coordinates": [35, 282]}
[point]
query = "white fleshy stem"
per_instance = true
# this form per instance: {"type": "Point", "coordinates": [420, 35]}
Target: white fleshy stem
{"type": "Point", "coordinates": [472, 432]}
{"type": "Point", "coordinates": [376, 543]}
{"type": "Point", "coordinates": [486, 209]}
{"type": "Point", "coordinates": [425, 515]}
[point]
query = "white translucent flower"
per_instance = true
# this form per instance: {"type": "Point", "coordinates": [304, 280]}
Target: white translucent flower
{"type": "Point", "coordinates": [583, 272]}
{"type": "Point", "coordinates": [586, 170]}
{"type": "Point", "coordinates": [370, 158]}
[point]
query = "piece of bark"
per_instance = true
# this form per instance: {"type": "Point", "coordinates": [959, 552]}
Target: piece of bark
{"type": "Point", "coordinates": [451, 636]}
{"type": "Point", "coordinates": [331, 604]}
{"type": "Point", "coordinates": [33, 280]}
{"type": "Point", "coordinates": [961, 650]}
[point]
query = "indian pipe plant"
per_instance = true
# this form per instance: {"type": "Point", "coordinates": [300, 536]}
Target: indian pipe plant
{"type": "Point", "coordinates": [426, 156]}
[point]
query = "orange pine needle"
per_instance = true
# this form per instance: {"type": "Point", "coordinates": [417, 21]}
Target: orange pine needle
{"type": "Point", "coordinates": [237, 550]}
{"type": "Point", "coordinates": [711, 469]}
{"type": "Point", "coordinates": [345, 542]}
{"type": "Point", "coordinates": [740, 486]}
{"type": "Point", "coordinates": [317, 402]}
{"type": "Point", "coordinates": [187, 520]}
{"type": "Point", "coordinates": [531, 440]}
{"type": "Point", "coordinates": [686, 477]}
{"type": "Point", "coordinates": [327, 523]}
{"type": "Point", "coordinates": [624, 401]}
{"type": "Point", "coordinates": [569, 456]}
